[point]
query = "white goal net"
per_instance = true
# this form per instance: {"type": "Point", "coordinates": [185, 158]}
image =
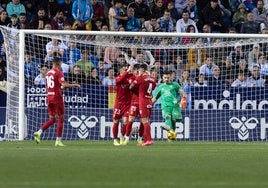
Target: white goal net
{"type": "Point", "coordinates": [224, 75]}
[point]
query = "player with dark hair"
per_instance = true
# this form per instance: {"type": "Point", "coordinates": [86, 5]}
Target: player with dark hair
{"type": "Point", "coordinates": [55, 84]}
{"type": "Point", "coordinates": [122, 101]}
{"type": "Point", "coordinates": [146, 85]}
{"type": "Point", "coordinates": [134, 108]}
{"type": "Point", "coordinates": [170, 104]}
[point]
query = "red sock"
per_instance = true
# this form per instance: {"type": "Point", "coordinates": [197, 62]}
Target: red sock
{"type": "Point", "coordinates": [60, 127]}
{"type": "Point", "coordinates": [123, 129]}
{"type": "Point", "coordinates": [141, 130]}
{"type": "Point", "coordinates": [115, 130]}
{"type": "Point", "coordinates": [47, 124]}
{"type": "Point", "coordinates": [128, 128]}
{"type": "Point", "coordinates": [147, 132]}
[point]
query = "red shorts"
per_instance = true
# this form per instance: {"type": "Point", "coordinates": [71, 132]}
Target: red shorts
{"type": "Point", "coordinates": [120, 111]}
{"type": "Point", "coordinates": [145, 111]}
{"type": "Point", "coordinates": [55, 109]}
{"type": "Point", "coordinates": [134, 110]}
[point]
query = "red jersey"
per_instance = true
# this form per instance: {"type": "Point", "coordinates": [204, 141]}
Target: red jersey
{"type": "Point", "coordinates": [146, 85]}
{"type": "Point", "coordinates": [123, 94]}
{"type": "Point", "coordinates": [54, 79]}
{"type": "Point", "coordinates": [134, 91]}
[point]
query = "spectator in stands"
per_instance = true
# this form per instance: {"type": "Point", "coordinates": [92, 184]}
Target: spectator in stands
{"type": "Point", "coordinates": [237, 53]}
{"type": "Point", "coordinates": [183, 23]}
{"type": "Point", "coordinates": [239, 17]}
{"type": "Point", "coordinates": [14, 24]}
{"type": "Point", "coordinates": [178, 67]}
{"type": "Point", "coordinates": [116, 15]}
{"type": "Point", "coordinates": [255, 80]}
{"type": "Point", "coordinates": [102, 68]}
{"type": "Point", "coordinates": [207, 29]}
{"type": "Point", "coordinates": [228, 71]}
{"type": "Point", "coordinates": [264, 24]}
{"type": "Point", "coordinates": [242, 67]}
{"type": "Point", "coordinates": [158, 9]}
{"type": "Point", "coordinates": [193, 10]}
{"type": "Point", "coordinates": [94, 77]}
{"type": "Point", "coordinates": [76, 76]}
{"type": "Point", "coordinates": [133, 23]}
{"type": "Point", "coordinates": [31, 68]}
{"type": "Point", "coordinates": [109, 80]}
{"type": "Point", "coordinates": [180, 5]}
{"type": "Point", "coordinates": [23, 21]}
{"type": "Point", "coordinates": [260, 12]}
{"type": "Point", "coordinates": [253, 55]}
{"type": "Point", "coordinates": [152, 25]}
{"type": "Point", "coordinates": [250, 4]}
{"type": "Point", "coordinates": [54, 48]}
{"type": "Point", "coordinates": [111, 53]}
{"type": "Point", "coordinates": [15, 7]}
{"type": "Point", "coordinates": [82, 12]}
{"type": "Point", "coordinates": [216, 80]}
{"type": "Point", "coordinates": [166, 23]}
{"type": "Point", "coordinates": [59, 20]}
{"type": "Point", "coordinates": [84, 63]}
{"type": "Point", "coordinates": [201, 82]}
{"type": "Point", "coordinates": [72, 54]}
{"type": "Point", "coordinates": [195, 56]}
{"type": "Point", "coordinates": [67, 10]}
{"type": "Point", "coordinates": [185, 79]}
{"type": "Point", "coordinates": [142, 11]}
{"type": "Point", "coordinates": [212, 15]}
{"type": "Point", "coordinates": [173, 12]}
{"type": "Point", "coordinates": [41, 78]}
{"type": "Point", "coordinates": [240, 81]}
{"type": "Point", "coordinates": [40, 20]}
{"type": "Point", "coordinates": [52, 8]}
{"type": "Point", "coordinates": [4, 19]}
{"type": "Point", "coordinates": [159, 69]}
{"type": "Point", "coordinates": [207, 67]}
{"type": "Point", "coordinates": [250, 26]}
{"type": "Point", "coordinates": [98, 11]}
{"type": "Point", "coordinates": [164, 54]}
{"type": "Point", "coordinates": [263, 65]}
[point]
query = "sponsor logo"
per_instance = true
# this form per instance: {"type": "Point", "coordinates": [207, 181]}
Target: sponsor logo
{"type": "Point", "coordinates": [226, 103]}
{"type": "Point", "coordinates": [243, 125]}
{"type": "Point", "coordinates": [85, 125]}
{"type": "Point", "coordinates": [36, 97]}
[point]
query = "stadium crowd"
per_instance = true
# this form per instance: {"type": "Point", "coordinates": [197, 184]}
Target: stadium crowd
{"type": "Point", "coordinates": [238, 66]}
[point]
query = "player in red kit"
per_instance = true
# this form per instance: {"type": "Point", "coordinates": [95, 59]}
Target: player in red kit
{"type": "Point", "coordinates": [146, 85]}
{"type": "Point", "coordinates": [55, 82]}
{"type": "Point", "coordinates": [122, 101]}
{"type": "Point", "coordinates": [134, 108]}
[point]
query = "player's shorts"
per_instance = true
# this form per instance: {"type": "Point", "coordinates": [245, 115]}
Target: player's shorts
{"type": "Point", "coordinates": [174, 112]}
{"type": "Point", "coordinates": [134, 110]}
{"type": "Point", "coordinates": [145, 111]}
{"type": "Point", "coordinates": [56, 109]}
{"type": "Point", "coordinates": [120, 111]}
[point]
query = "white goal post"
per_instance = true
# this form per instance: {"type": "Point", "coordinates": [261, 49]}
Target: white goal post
{"type": "Point", "coordinates": [214, 113]}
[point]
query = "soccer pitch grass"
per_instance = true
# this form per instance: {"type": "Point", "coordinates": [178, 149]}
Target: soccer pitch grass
{"type": "Point", "coordinates": [93, 164]}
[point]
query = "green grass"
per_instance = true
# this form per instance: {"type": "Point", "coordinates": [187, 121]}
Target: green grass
{"type": "Point", "coordinates": [163, 165]}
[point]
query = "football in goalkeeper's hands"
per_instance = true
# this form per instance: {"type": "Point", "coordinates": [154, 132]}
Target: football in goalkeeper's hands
{"type": "Point", "coordinates": [171, 135]}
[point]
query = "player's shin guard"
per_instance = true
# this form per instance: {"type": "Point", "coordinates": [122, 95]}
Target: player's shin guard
{"type": "Point", "coordinates": [115, 130]}
{"type": "Point", "coordinates": [60, 127]}
{"type": "Point", "coordinates": [47, 124]}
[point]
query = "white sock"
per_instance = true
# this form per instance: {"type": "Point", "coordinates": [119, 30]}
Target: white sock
{"type": "Point", "coordinates": [58, 139]}
{"type": "Point", "coordinates": [127, 138]}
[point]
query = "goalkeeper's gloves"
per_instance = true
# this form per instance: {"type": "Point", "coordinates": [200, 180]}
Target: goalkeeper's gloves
{"type": "Point", "coordinates": [183, 103]}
